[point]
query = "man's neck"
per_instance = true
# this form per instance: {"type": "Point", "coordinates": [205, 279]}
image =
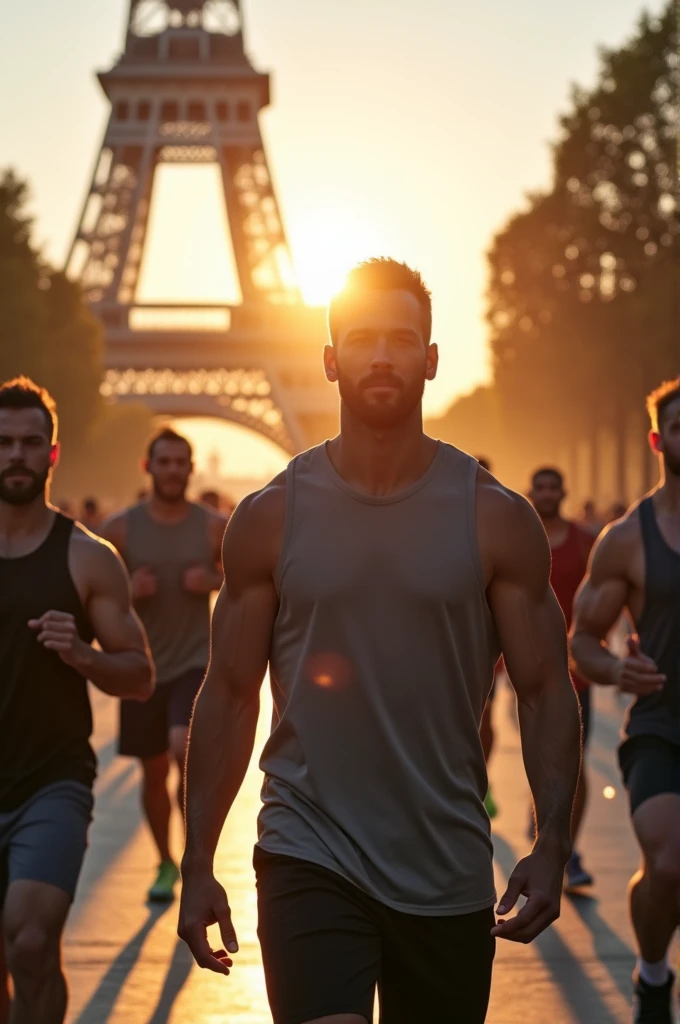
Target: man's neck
{"type": "Point", "coordinates": [667, 495]}
{"type": "Point", "coordinates": [167, 511]}
{"type": "Point", "coordinates": [555, 526]}
{"type": "Point", "coordinates": [19, 521]}
{"type": "Point", "coordinates": [381, 462]}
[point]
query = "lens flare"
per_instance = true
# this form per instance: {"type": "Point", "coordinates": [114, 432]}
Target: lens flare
{"type": "Point", "coordinates": [609, 792]}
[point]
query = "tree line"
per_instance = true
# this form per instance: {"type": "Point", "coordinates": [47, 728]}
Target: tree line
{"type": "Point", "coordinates": [47, 332]}
{"type": "Point", "coordinates": [583, 302]}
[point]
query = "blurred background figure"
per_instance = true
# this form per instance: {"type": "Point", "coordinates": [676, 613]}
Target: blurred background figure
{"type": "Point", "coordinates": [212, 499]}
{"type": "Point", "coordinates": [90, 515]}
{"type": "Point", "coordinates": [617, 511]}
{"type": "Point", "coordinates": [570, 545]}
{"type": "Point", "coordinates": [590, 519]}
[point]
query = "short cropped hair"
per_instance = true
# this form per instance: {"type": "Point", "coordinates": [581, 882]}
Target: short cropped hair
{"type": "Point", "coordinates": [660, 399]}
{"type": "Point", "coordinates": [547, 471]}
{"type": "Point", "coordinates": [23, 393]}
{"type": "Point", "coordinates": [380, 274]}
{"type": "Point", "coordinates": [167, 434]}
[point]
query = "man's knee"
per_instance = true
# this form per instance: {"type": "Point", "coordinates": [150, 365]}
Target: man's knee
{"type": "Point", "coordinates": [663, 871]}
{"type": "Point", "coordinates": [33, 954]}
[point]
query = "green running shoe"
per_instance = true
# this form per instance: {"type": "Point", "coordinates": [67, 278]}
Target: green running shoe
{"type": "Point", "coordinates": [163, 889]}
{"type": "Point", "coordinates": [490, 804]}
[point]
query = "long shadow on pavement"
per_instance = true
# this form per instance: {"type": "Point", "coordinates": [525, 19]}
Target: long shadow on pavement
{"type": "Point", "coordinates": [568, 974]}
{"type": "Point", "coordinates": [103, 1000]}
{"type": "Point", "coordinates": [178, 974]}
{"type": "Point", "coordinates": [608, 945]}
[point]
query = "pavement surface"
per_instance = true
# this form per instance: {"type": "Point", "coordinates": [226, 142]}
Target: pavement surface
{"type": "Point", "coordinates": [126, 965]}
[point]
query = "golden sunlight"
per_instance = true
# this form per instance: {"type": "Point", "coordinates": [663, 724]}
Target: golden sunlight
{"type": "Point", "coordinates": [327, 241]}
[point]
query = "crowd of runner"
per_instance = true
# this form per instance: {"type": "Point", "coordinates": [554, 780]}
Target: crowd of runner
{"type": "Point", "coordinates": [386, 580]}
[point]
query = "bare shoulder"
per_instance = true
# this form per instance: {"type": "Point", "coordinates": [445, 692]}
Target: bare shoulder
{"type": "Point", "coordinates": [254, 534]}
{"type": "Point", "coordinates": [510, 534]}
{"type": "Point", "coordinates": [217, 522]}
{"type": "Point", "coordinates": [114, 529]}
{"type": "Point", "coordinates": [95, 562]}
{"type": "Point", "coordinates": [617, 547]}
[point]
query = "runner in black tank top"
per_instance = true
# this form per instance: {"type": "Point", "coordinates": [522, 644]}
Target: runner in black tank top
{"type": "Point", "coordinates": [636, 567]}
{"type": "Point", "coordinates": [59, 589]}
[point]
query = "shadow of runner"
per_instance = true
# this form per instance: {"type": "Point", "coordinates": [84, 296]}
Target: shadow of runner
{"type": "Point", "coordinates": [579, 991]}
{"type": "Point", "coordinates": [178, 974]}
{"type": "Point", "coordinates": [608, 945]}
{"type": "Point", "coordinates": [103, 999]}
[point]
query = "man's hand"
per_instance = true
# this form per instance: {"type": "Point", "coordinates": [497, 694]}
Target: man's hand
{"type": "Point", "coordinates": [143, 584]}
{"type": "Point", "coordinates": [539, 877]}
{"type": "Point", "coordinates": [637, 673]}
{"type": "Point", "coordinates": [199, 580]}
{"type": "Point", "coordinates": [204, 903]}
{"type": "Point", "coordinates": [57, 631]}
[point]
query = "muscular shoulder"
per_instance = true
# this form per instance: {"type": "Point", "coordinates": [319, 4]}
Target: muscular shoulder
{"type": "Point", "coordinates": [95, 563]}
{"type": "Point", "coordinates": [616, 548]}
{"type": "Point", "coordinates": [511, 538]}
{"type": "Point", "coordinates": [254, 534]}
{"type": "Point", "coordinates": [217, 522]}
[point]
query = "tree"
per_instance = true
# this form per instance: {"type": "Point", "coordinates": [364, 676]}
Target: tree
{"type": "Point", "coordinates": [48, 333]}
{"type": "Point", "coordinates": [582, 301]}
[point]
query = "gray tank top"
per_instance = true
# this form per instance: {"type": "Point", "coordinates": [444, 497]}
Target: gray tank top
{"type": "Point", "coordinates": [177, 622]}
{"type": "Point", "coordinates": [382, 658]}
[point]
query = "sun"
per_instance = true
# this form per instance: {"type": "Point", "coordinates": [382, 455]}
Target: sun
{"type": "Point", "coordinates": [327, 241]}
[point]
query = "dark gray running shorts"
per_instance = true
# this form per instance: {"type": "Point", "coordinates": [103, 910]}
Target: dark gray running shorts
{"type": "Point", "coordinates": [650, 766]}
{"type": "Point", "coordinates": [45, 839]}
{"type": "Point", "coordinates": [145, 726]}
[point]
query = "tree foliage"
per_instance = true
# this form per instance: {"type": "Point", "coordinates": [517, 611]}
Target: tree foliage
{"type": "Point", "coordinates": [48, 333]}
{"type": "Point", "coordinates": [582, 300]}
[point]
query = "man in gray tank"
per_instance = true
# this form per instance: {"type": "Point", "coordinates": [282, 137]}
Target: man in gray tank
{"type": "Point", "coordinates": [172, 548]}
{"type": "Point", "coordinates": [379, 577]}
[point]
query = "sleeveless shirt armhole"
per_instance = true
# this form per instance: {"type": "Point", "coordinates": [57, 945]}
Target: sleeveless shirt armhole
{"type": "Point", "coordinates": [473, 539]}
{"type": "Point", "coordinates": [288, 527]}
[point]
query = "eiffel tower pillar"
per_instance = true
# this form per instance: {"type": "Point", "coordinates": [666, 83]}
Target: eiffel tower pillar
{"type": "Point", "coordinates": [184, 91]}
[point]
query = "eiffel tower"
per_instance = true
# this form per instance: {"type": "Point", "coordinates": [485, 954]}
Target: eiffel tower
{"type": "Point", "coordinates": [184, 91]}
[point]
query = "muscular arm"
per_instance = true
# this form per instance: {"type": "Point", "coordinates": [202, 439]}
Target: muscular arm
{"type": "Point", "coordinates": [226, 712]}
{"type": "Point", "coordinates": [123, 667]}
{"type": "Point", "coordinates": [532, 631]}
{"type": "Point", "coordinates": [603, 596]}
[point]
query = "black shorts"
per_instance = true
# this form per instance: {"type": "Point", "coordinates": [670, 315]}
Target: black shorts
{"type": "Point", "coordinates": [326, 945]}
{"type": "Point", "coordinates": [145, 727]}
{"type": "Point", "coordinates": [584, 702]}
{"type": "Point", "coordinates": [650, 766]}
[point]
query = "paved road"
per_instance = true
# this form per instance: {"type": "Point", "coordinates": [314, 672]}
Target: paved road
{"type": "Point", "coordinates": [127, 967]}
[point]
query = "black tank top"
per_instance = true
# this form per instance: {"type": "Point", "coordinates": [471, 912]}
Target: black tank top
{"type": "Point", "coordinates": [659, 631]}
{"type": "Point", "coordinates": [45, 714]}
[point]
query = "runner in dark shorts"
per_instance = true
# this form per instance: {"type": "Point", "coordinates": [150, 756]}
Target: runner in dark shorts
{"type": "Point", "coordinates": [172, 548]}
{"type": "Point", "coordinates": [60, 587]}
{"type": "Point", "coordinates": [636, 569]}
{"type": "Point", "coordinates": [373, 579]}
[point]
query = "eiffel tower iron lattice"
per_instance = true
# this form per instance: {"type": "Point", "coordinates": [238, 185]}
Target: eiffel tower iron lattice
{"type": "Point", "coordinates": [184, 91]}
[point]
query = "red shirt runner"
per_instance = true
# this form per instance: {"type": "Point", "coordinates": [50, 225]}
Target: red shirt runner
{"type": "Point", "coordinates": [569, 564]}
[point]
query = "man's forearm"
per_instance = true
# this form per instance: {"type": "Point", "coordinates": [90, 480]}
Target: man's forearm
{"type": "Point", "coordinates": [551, 747]}
{"type": "Point", "coordinates": [220, 747]}
{"type": "Point", "coordinates": [128, 675]}
{"type": "Point", "coordinates": [593, 659]}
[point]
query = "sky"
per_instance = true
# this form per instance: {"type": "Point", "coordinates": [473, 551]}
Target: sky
{"type": "Point", "coordinates": [396, 128]}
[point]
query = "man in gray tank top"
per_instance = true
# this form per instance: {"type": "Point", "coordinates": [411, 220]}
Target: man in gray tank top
{"type": "Point", "coordinates": [379, 578]}
{"type": "Point", "coordinates": [172, 548]}
{"type": "Point", "coordinates": [635, 569]}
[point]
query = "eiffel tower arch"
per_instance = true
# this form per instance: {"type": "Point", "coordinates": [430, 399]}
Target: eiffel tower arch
{"type": "Point", "coordinates": [185, 92]}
